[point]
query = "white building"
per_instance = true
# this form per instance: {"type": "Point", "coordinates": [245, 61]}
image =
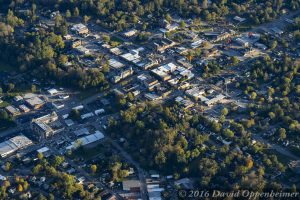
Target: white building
{"type": "Point", "coordinates": [14, 144]}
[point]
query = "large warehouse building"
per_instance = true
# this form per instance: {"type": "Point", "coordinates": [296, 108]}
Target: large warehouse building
{"type": "Point", "coordinates": [13, 144]}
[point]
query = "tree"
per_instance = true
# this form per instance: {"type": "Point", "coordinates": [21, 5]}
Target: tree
{"type": "Point", "coordinates": [225, 111]}
{"type": "Point", "coordinates": [75, 114]}
{"type": "Point", "coordinates": [106, 38]}
{"type": "Point", "coordinates": [20, 188]}
{"type": "Point", "coordinates": [228, 133]}
{"type": "Point", "coordinates": [42, 197]}
{"type": "Point", "coordinates": [33, 88]}
{"type": "Point", "coordinates": [294, 188]}
{"type": "Point", "coordinates": [76, 12]}
{"type": "Point", "coordinates": [7, 166]}
{"type": "Point", "coordinates": [40, 156]}
{"type": "Point", "coordinates": [182, 24]}
{"type": "Point", "coordinates": [168, 18]}
{"type": "Point", "coordinates": [274, 44]}
{"type": "Point", "coordinates": [25, 185]}
{"type": "Point", "coordinates": [253, 95]}
{"type": "Point", "coordinates": [130, 96]}
{"type": "Point", "coordinates": [51, 196]}
{"type": "Point", "coordinates": [58, 160]}
{"type": "Point", "coordinates": [93, 168]}
{"type": "Point", "coordinates": [272, 115]}
{"type": "Point", "coordinates": [68, 14]}
{"type": "Point", "coordinates": [204, 4]}
{"type": "Point", "coordinates": [86, 18]}
{"type": "Point", "coordinates": [216, 126]}
{"type": "Point", "coordinates": [4, 115]}
{"type": "Point", "coordinates": [11, 86]}
{"type": "Point", "coordinates": [63, 59]}
{"type": "Point", "coordinates": [249, 163]}
{"type": "Point", "coordinates": [234, 60]}
{"type": "Point", "coordinates": [282, 133]}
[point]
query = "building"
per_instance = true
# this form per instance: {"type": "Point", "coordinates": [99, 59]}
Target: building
{"type": "Point", "coordinates": [46, 126]}
{"type": "Point", "coordinates": [239, 19]}
{"type": "Point", "coordinates": [131, 185]}
{"type": "Point", "coordinates": [83, 141]}
{"type": "Point", "coordinates": [130, 33]}
{"type": "Point", "coordinates": [18, 98]}
{"type": "Point", "coordinates": [147, 63]}
{"type": "Point", "coordinates": [197, 43]}
{"type": "Point", "coordinates": [80, 29]}
{"type": "Point", "coordinates": [81, 132]}
{"type": "Point", "coordinates": [197, 93]}
{"type": "Point", "coordinates": [185, 63]}
{"type": "Point", "coordinates": [76, 43]}
{"type": "Point", "coordinates": [162, 44]}
{"type": "Point", "coordinates": [133, 56]}
{"type": "Point", "coordinates": [115, 64]}
{"type": "Point", "coordinates": [86, 115]}
{"type": "Point", "coordinates": [13, 144]}
{"type": "Point", "coordinates": [214, 100]}
{"type": "Point", "coordinates": [163, 71]}
{"type": "Point", "coordinates": [24, 108]}
{"type": "Point", "coordinates": [35, 102]}
{"type": "Point", "coordinates": [242, 42]}
{"type": "Point", "coordinates": [122, 75]}
{"type": "Point", "coordinates": [184, 103]}
{"type": "Point", "coordinates": [58, 104]}
{"type": "Point", "coordinates": [148, 81]}
{"type": "Point", "coordinates": [12, 111]}
{"type": "Point", "coordinates": [45, 151]}
{"type": "Point", "coordinates": [52, 91]}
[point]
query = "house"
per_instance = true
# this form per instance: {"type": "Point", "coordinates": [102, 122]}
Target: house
{"type": "Point", "coordinates": [214, 100]}
{"type": "Point", "coordinates": [115, 64]}
{"type": "Point", "coordinates": [130, 33]}
{"type": "Point", "coordinates": [54, 14]}
{"type": "Point", "coordinates": [58, 105]}
{"type": "Point", "coordinates": [12, 111]}
{"type": "Point", "coordinates": [242, 42]}
{"type": "Point", "coordinates": [147, 63]}
{"type": "Point", "coordinates": [162, 44]}
{"type": "Point", "coordinates": [52, 91]}
{"type": "Point", "coordinates": [18, 98]}
{"type": "Point", "coordinates": [184, 103]}
{"type": "Point", "coordinates": [131, 185]}
{"type": "Point", "coordinates": [76, 43]}
{"type": "Point", "coordinates": [80, 29]}
{"type": "Point", "coordinates": [34, 102]}
{"type": "Point", "coordinates": [239, 19]}
{"type": "Point", "coordinates": [24, 108]}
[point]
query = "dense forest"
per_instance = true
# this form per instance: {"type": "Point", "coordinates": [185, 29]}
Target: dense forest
{"type": "Point", "coordinates": [169, 139]}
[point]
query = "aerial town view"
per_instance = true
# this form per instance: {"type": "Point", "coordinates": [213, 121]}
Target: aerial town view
{"type": "Point", "coordinates": [149, 99]}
